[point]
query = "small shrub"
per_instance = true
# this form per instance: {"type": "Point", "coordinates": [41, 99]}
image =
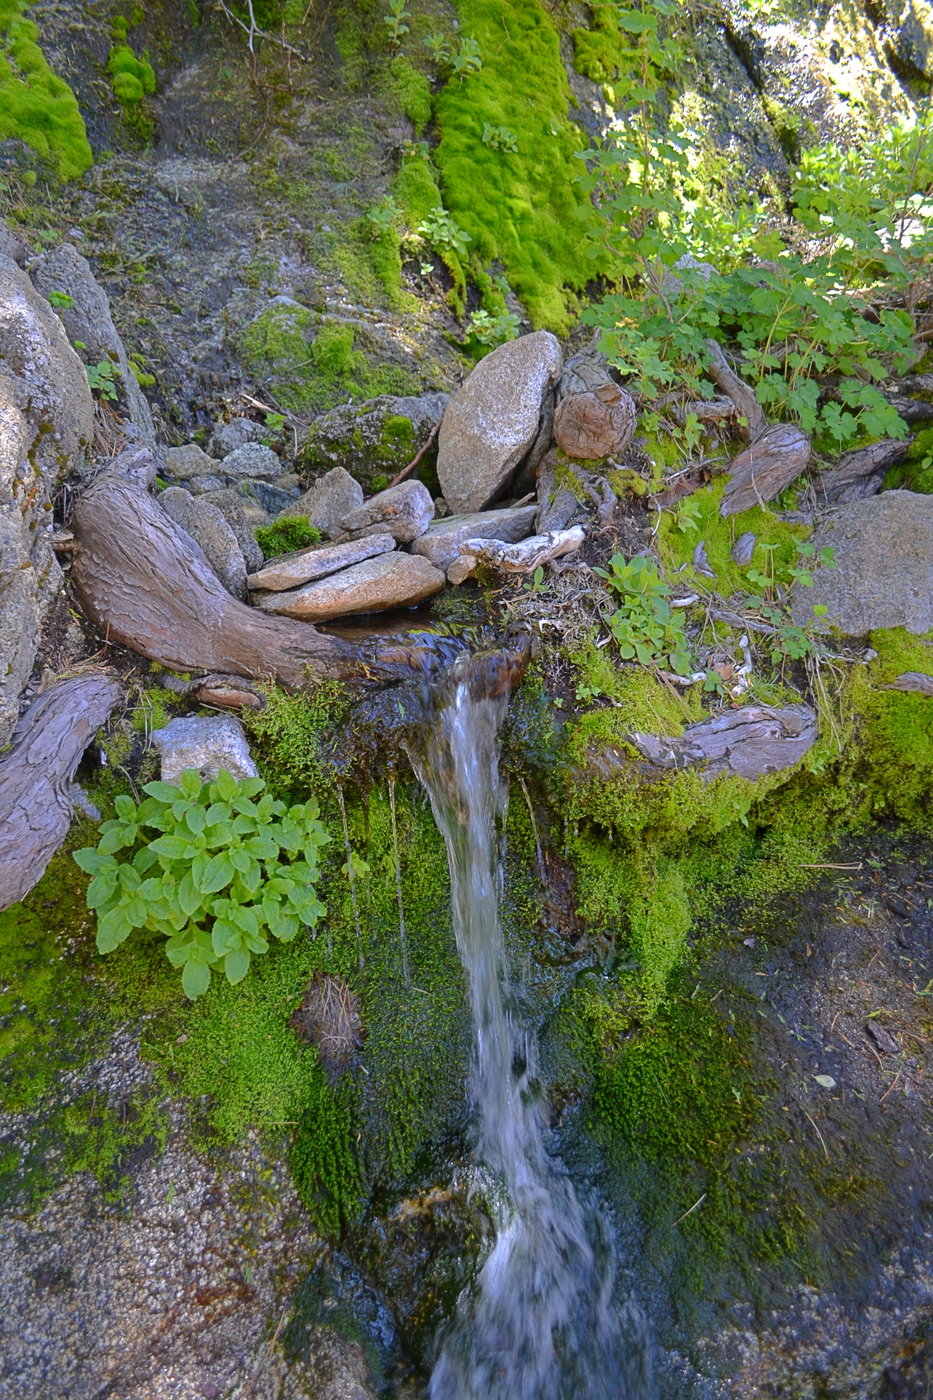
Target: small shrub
{"type": "Point", "coordinates": [224, 873]}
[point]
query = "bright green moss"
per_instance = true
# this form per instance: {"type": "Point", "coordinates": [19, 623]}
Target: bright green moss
{"type": "Point", "coordinates": [323, 1156]}
{"type": "Point", "coordinates": [133, 77]}
{"type": "Point", "coordinates": [291, 738]}
{"type": "Point", "coordinates": [36, 106]}
{"type": "Point", "coordinates": [916, 472]}
{"type": "Point", "coordinates": [891, 764]}
{"type": "Point", "coordinates": [598, 50]}
{"type": "Point", "coordinates": [699, 516]}
{"type": "Point", "coordinates": [521, 208]}
{"type": "Point", "coordinates": [410, 90]}
{"type": "Point", "coordinates": [286, 535]}
{"type": "Point", "coordinates": [277, 345]}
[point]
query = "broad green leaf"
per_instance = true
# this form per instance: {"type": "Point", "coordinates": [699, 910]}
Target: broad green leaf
{"type": "Point", "coordinates": [189, 784]}
{"type": "Point", "coordinates": [195, 819]}
{"type": "Point", "coordinates": [245, 919]}
{"type": "Point", "coordinates": [199, 869]}
{"type": "Point", "coordinates": [226, 785]}
{"type": "Point", "coordinates": [125, 807]}
{"type": "Point", "coordinates": [195, 979]}
{"type": "Point", "coordinates": [135, 910]}
{"type": "Point", "coordinates": [224, 936]}
{"type": "Point", "coordinates": [93, 861]}
{"type": "Point", "coordinates": [101, 889]}
{"type": "Point", "coordinates": [144, 859]}
{"type": "Point", "coordinates": [112, 930]}
{"type": "Point", "coordinates": [218, 872]}
{"type": "Point", "coordinates": [114, 838]}
{"type": "Point", "coordinates": [188, 894]}
{"type": "Point", "coordinates": [236, 965]}
{"type": "Point", "coordinates": [163, 792]}
{"type": "Point", "coordinates": [171, 847]}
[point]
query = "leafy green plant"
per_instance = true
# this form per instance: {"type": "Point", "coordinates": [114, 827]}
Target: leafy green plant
{"type": "Point", "coordinates": [441, 232]}
{"type": "Point", "coordinates": [100, 377]}
{"type": "Point", "coordinates": [490, 329]}
{"type": "Point", "coordinates": [645, 626]}
{"type": "Point", "coordinates": [466, 59]}
{"type": "Point", "coordinates": [218, 868]}
{"type": "Point", "coordinates": [499, 138]}
{"type": "Point", "coordinates": [396, 21]}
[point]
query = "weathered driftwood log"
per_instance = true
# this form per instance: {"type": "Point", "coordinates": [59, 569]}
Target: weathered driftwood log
{"type": "Point", "coordinates": [522, 558]}
{"type": "Point", "coordinates": [749, 742]}
{"type": "Point", "coordinates": [143, 582]}
{"type": "Point", "coordinates": [741, 394]}
{"type": "Point", "coordinates": [858, 475]}
{"type": "Point", "coordinates": [762, 470]}
{"type": "Point", "coordinates": [35, 776]}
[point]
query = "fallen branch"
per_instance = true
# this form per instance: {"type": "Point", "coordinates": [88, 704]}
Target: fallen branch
{"type": "Point", "coordinates": [418, 455]}
{"type": "Point", "coordinates": [741, 394]}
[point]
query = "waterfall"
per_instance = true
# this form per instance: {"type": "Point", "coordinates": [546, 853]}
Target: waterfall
{"type": "Point", "coordinates": [542, 1321]}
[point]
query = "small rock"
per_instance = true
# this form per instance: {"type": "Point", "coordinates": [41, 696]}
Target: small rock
{"type": "Point", "coordinates": [273, 498]}
{"type": "Point", "coordinates": [913, 682]}
{"type": "Point", "coordinates": [207, 743]}
{"type": "Point", "coordinates": [204, 485]}
{"type": "Point", "coordinates": [242, 515]}
{"type": "Point", "coordinates": [492, 421]}
{"type": "Point", "coordinates": [332, 497]}
{"type": "Point", "coordinates": [227, 437]}
{"type": "Point", "coordinates": [181, 463]}
{"type": "Point", "coordinates": [389, 581]}
{"type": "Point", "coordinates": [208, 528]}
{"type": "Point", "coordinates": [291, 570]}
{"type": "Point", "coordinates": [253, 459]}
{"type": "Point", "coordinates": [441, 541]}
{"type": "Point", "coordinates": [743, 549]}
{"type": "Point", "coordinates": [405, 511]}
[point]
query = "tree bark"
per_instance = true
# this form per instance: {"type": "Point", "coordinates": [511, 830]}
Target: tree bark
{"type": "Point", "coordinates": [35, 776]}
{"type": "Point", "coordinates": [143, 582]}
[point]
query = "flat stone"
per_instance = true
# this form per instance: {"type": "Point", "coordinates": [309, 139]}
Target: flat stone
{"type": "Point", "coordinates": [883, 577]}
{"type": "Point", "coordinates": [405, 511]}
{"type": "Point", "coordinates": [290, 570]}
{"type": "Point", "coordinates": [253, 459]}
{"type": "Point", "coordinates": [492, 421]}
{"type": "Point", "coordinates": [389, 581]}
{"type": "Point", "coordinates": [332, 496]}
{"type": "Point", "coordinates": [187, 461]}
{"type": "Point", "coordinates": [208, 528]}
{"type": "Point", "coordinates": [441, 542]}
{"type": "Point", "coordinates": [208, 743]}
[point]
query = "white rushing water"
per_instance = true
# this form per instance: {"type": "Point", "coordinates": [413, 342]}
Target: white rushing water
{"type": "Point", "coordinates": [542, 1321]}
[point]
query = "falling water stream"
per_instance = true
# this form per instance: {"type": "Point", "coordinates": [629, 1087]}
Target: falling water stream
{"type": "Point", "coordinates": [542, 1321]}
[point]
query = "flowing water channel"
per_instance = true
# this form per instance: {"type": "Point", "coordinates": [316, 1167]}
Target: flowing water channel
{"type": "Point", "coordinates": [543, 1320]}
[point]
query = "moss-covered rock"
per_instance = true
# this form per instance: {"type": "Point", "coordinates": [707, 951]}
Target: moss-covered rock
{"type": "Point", "coordinates": [374, 440]}
{"type": "Point", "coordinates": [37, 107]}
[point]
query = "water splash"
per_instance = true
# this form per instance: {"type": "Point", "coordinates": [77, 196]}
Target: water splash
{"type": "Point", "coordinates": [542, 1321]}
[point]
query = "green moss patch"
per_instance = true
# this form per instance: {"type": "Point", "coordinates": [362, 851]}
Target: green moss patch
{"type": "Point", "coordinates": [523, 207]}
{"type": "Point", "coordinates": [37, 107]}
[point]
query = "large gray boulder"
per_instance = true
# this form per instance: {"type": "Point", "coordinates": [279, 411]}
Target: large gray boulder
{"type": "Point", "coordinates": [883, 575]}
{"type": "Point", "coordinates": [208, 528]}
{"type": "Point", "coordinates": [373, 439]}
{"type": "Point", "coordinates": [89, 321]}
{"type": "Point", "coordinates": [46, 423]}
{"type": "Point", "coordinates": [492, 421]}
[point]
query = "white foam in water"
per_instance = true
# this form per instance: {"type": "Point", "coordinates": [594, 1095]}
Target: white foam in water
{"type": "Point", "coordinates": [542, 1321]}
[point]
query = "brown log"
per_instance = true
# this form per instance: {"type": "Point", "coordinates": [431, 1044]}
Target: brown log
{"type": "Point", "coordinates": [36, 773]}
{"type": "Point", "coordinates": [143, 582]}
{"type": "Point", "coordinates": [741, 394]}
{"type": "Point", "coordinates": [859, 474]}
{"type": "Point", "coordinates": [763, 469]}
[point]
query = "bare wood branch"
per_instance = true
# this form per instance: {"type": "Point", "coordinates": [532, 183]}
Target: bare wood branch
{"type": "Point", "coordinates": [741, 394]}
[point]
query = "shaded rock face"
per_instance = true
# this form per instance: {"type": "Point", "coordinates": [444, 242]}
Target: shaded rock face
{"type": "Point", "coordinates": [46, 421]}
{"type": "Point", "coordinates": [884, 567]}
{"type": "Point", "coordinates": [207, 743]}
{"type": "Point", "coordinates": [89, 321]}
{"type": "Point", "coordinates": [492, 421]}
{"type": "Point", "coordinates": [372, 439]}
